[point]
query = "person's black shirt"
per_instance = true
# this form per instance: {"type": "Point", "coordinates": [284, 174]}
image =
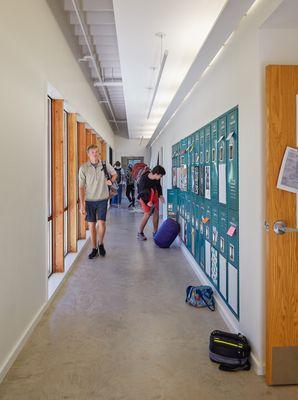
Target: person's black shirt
{"type": "Point", "coordinates": [145, 185]}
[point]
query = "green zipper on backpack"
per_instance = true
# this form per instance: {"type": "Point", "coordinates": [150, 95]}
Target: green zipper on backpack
{"type": "Point", "coordinates": [229, 344]}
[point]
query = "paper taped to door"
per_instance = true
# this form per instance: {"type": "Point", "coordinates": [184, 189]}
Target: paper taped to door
{"type": "Point", "coordinates": [288, 175]}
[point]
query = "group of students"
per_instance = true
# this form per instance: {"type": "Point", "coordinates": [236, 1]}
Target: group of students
{"type": "Point", "coordinates": [95, 179]}
{"type": "Point", "coordinates": [128, 180]}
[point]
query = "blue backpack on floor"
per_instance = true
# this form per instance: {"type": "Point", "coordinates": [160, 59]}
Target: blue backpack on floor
{"type": "Point", "coordinates": [200, 296]}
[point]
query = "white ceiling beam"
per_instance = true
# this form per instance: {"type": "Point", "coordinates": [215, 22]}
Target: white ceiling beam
{"type": "Point", "coordinates": [108, 57]}
{"type": "Point", "coordinates": [100, 18]}
{"type": "Point", "coordinates": [107, 30]}
{"type": "Point", "coordinates": [91, 5]}
{"type": "Point", "coordinates": [97, 5]}
{"type": "Point", "coordinates": [101, 40]}
{"type": "Point", "coordinates": [96, 18]}
{"type": "Point", "coordinates": [107, 74]}
{"type": "Point", "coordinates": [104, 40]}
{"type": "Point", "coordinates": [102, 84]}
{"type": "Point", "coordinates": [102, 49]}
{"type": "Point", "coordinates": [92, 54]}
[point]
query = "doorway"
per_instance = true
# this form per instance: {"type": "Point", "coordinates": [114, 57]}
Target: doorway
{"type": "Point", "coordinates": [281, 246]}
{"type": "Point", "coordinates": [126, 161]}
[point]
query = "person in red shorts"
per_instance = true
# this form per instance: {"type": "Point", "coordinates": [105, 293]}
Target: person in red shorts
{"type": "Point", "coordinates": [150, 192]}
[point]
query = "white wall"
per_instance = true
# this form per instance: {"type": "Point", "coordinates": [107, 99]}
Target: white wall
{"type": "Point", "coordinates": [237, 78]}
{"type": "Point", "coordinates": [130, 147]}
{"type": "Point", "coordinates": [33, 54]}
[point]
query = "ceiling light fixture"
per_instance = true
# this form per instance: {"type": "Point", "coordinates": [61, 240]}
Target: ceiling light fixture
{"type": "Point", "coordinates": [223, 46]}
{"type": "Point", "coordinates": [161, 68]}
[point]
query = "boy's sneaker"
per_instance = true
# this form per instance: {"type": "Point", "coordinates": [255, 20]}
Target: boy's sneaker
{"type": "Point", "coordinates": [93, 254]}
{"type": "Point", "coordinates": [141, 236]}
{"type": "Point", "coordinates": [102, 250]}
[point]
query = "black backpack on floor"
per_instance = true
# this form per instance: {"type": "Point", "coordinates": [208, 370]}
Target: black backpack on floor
{"type": "Point", "coordinates": [230, 350]}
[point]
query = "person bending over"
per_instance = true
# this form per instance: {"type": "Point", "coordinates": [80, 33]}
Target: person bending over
{"type": "Point", "coordinates": [150, 191]}
{"type": "Point", "coordinates": [94, 195]}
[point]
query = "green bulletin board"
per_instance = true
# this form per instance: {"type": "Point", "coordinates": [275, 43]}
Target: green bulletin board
{"type": "Point", "coordinates": [205, 201]}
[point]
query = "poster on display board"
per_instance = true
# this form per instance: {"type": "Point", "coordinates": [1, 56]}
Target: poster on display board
{"type": "Point", "coordinates": [201, 181]}
{"type": "Point", "coordinates": [183, 178]}
{"type": "Point", "coordinates": [196, 179]}
{"type": "Point", "coordinates": [192, 181]}
{"type": "Point", "coordinates": [178, 169]}
{"type": "Point", "coordinates": [174, 176]}
{"type": "Point", "coordinates": [207, 183]}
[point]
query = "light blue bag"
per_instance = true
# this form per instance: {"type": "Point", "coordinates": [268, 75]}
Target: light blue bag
{"type": "Point", "coordinates": [200, 296]}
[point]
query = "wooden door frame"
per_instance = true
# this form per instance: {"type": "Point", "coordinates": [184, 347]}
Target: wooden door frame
{"type": "Point", "coordinates": [82, 155]}
{"type": "Point", "coordinates": [57, 179]}
{"type": "Point", "coordinates": [281, 264]}
{"type": "Point", "coordinates": [72, 182]}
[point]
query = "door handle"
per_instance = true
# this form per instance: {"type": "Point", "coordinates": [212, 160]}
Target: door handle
{"type": "Point", "coordinates": [280, 228]}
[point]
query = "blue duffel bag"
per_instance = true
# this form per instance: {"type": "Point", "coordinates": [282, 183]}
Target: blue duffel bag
{"type": "Point", "coordinates": [167, 233]}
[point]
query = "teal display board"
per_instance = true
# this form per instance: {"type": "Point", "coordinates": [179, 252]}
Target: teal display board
{"type": "Point", "coordinates": [205, 201]}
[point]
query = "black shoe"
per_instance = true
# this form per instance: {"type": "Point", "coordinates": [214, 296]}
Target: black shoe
{"type": "Point", "coordinates": [93, 254]}
{"type": "Point", "coordinates": [102, 250]}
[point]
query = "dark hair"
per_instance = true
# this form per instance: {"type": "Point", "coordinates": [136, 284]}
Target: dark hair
{"type": "Point", "coordinates": [117, 163]}
{"type": "Point", "coordinates": [158, 170]}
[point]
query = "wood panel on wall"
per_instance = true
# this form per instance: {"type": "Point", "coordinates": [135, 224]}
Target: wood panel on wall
{"type": "Point", "coordinates": [94, 141]}
{"type": "Point", "coordinates": [72, 183]}
{"type": "Point", "coordinates": [88, 138]}
{"type": "Point", "coordinates": [82, 156]}
{"type": "Point", "coordinates": [98, 142]}
{"type": "Point", "coordinates": [57, 176]}
{"type": "Point", "coordinates": [103, 151]}
{"type": "Point", "coordinates": [281, 250]}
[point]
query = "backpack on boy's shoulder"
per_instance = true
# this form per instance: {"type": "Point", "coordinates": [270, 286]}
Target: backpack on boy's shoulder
{"type": "Point", "coordinates": [113, 189]}
{"type": "Point", "coordinates": [138, 170]}
{"type": "Point", "coordinates": [200, 296]}
{"type": "Point", "coordinates": [231, 351]}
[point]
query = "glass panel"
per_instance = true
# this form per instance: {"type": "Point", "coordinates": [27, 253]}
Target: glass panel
{"type": "Point", "coordinates": [49, 157]}
{"type": "Point", "coordinates": [49, 186]}
{"type": "Point", "coordinates": [65, 180]}
{"type": "Point", "coordinates": [50, 248]}
{"type": "Point", "coordinates": [65, 159]}
{"type": "Point", "coordinates": [65, 241]}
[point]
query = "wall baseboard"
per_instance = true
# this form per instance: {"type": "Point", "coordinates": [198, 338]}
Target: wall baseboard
{"type": "Point", "coordinates": [4, 368]}
{"type": "Point", "coordinates": [21, 342]}
{"type": "Point", "coordinates": [230, 320]}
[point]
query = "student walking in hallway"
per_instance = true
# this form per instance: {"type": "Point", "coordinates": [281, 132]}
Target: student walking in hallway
{"type": "Point", "coordinates": [150, 192]}
{"type": "Point", "coordinates": [94, 194]}
{"type": "Point", "coordinates": [130, 187]}
{"type": "Point", "coordinates": [116, 200]}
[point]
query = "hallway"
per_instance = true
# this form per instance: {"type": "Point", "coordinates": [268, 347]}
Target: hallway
{"type": "Point", "coordinates": [119, 329]}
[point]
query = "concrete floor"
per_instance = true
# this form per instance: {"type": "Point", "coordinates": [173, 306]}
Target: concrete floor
{"type": "Point", "coordinates": [120, 329]}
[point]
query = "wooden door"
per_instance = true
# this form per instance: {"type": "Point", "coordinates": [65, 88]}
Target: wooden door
{"type": "Point", "coordinates": [281, 249]}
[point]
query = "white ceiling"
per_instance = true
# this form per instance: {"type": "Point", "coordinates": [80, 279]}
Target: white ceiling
{"type": "Point", "coordinates": [284, 17]}
{"type": "Point", "coordinates": [98, 19]}
{"type": "Point", "coordinates": [186, 25]}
